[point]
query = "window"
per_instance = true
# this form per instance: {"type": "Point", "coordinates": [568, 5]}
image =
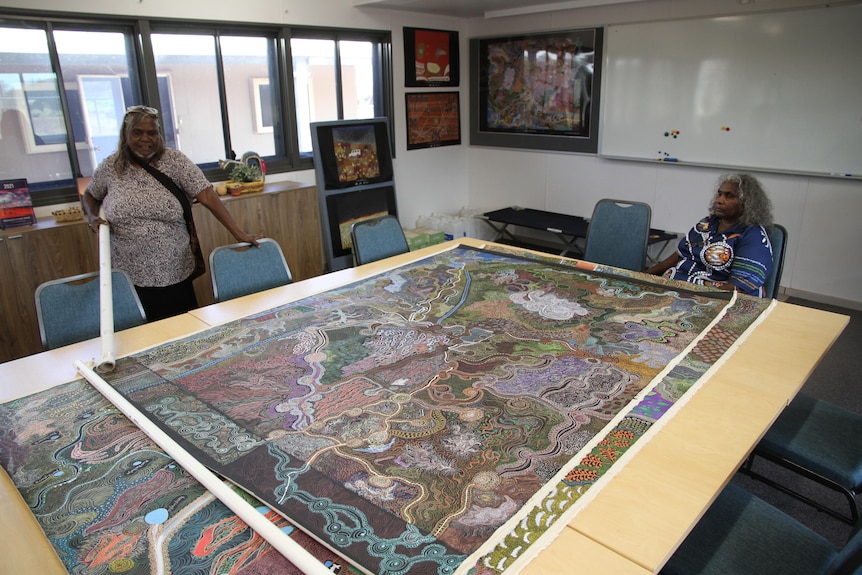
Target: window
{"type": "Point", "coordinates": [32, 125]}
{"type": "Point", "coordinates": [95, 67]}
{"type": "Point", "coordinates": [220, 90]}
{"type": "Point", "coordinates": [335, 79]}
{"type": "Point", "coordinates": [193, 106]}
{"type": "Point", "coordinates": [38, 113]}
{"type": "Point", "coordinates": [246, 61]}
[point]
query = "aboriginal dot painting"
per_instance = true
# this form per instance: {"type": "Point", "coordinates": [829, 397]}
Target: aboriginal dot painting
{"type": "Point", "coordinates": [425, 420]}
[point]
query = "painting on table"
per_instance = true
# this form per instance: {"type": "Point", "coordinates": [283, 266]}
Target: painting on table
{"type": "Point", "coordinates": [422, 420]}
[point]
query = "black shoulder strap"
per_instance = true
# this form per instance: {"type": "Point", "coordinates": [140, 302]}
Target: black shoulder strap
{"type": "Point", "coordinates": [172, 186]}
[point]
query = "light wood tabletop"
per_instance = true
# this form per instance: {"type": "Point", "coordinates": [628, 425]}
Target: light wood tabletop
{"type": "Point", "coordinates": [41, 371]}
{"type": "Point", "coordinates": [676, 476]}
{"type": "Point", "coordinates": [667, 486]}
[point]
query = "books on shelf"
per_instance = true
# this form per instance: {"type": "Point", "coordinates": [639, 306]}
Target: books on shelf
{"type": "Point", "coordinates": [16, 207]}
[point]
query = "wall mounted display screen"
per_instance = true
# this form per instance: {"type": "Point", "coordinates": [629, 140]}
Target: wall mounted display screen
{"type": "Point", "coordinates": [353, 152]}
{"type": "Point", "coordinates": [537, 91]}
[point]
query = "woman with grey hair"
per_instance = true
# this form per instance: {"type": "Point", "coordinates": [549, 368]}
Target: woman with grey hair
{"type": "Point", "coordinates": [729, 249]}
{"type": "Point", "coordinates": [149, 237]}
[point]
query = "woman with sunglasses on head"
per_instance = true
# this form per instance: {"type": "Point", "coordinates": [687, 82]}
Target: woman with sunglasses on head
{"type": "Point", "coordinates": [149, 237]}
{"type": "Point", "coordinates": [729, 249]}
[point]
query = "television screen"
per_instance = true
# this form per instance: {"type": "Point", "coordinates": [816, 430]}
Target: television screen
{"type": "Point", "coordinates": [353, 152]}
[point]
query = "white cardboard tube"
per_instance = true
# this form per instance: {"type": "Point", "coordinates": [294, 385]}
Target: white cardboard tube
{"type": "Point", "coordinates": [291, 550]}
{"type": "Point", "coordinates": [106, 300]}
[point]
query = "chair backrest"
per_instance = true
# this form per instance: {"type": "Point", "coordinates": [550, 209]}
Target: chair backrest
{"type": "Point", "coordinates": [69, 309]}
{"type": "Point", "coordinates": [241, 269]}
{"type": "Point", "coordinates": [377, 239]}
{"type": "Point", "coordinates": [618, 234]}
{"type": "Point", "coordinates": [778, 239]}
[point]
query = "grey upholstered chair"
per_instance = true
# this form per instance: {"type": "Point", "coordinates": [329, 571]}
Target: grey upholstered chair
{"type": "Point", "coordinates": [69, 309]}
{"type": "Point", "coordinates": [741, 533]}
{"type": "Point", "coordinates": [377, 239]}
{"type": "Point", "coordinates": [820, 441]}
{"type": "Point", "coordinates": [618, 234]}
{"type": "Point", "coordinates": [778, 239]}
{"type": "Point", "coordinates": [241, 269]}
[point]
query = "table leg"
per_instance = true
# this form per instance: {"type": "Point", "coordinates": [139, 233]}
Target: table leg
{"type": "Point", "coordinates": [502, 230]}
{"type": "Point", "coordinates": [569, 242]}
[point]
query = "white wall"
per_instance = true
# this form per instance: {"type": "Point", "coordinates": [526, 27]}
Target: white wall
{"type": "Point", "coordinates": [824, 259]}
{"type": "Point", "coordinates": [824, 254]}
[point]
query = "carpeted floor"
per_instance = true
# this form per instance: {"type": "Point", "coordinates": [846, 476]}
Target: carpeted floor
{"type": "Point", "coordinates": [836, 379]}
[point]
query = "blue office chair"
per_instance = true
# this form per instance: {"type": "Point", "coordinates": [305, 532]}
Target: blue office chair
{"type": "Point", "coordinates": [618, 234]}
{"type": "Point", "coordinates": [820, 441]}
{"type": "Point", "coordinates": [741, 533]}
{"type": "Point", "coordinates": [241, 269]}
{"type": "Point", "coordinates": [778, 239]}
{"type": "Point", "coordinates": [69, 309]}
{"type": "Point", "coordinates": [377, 239]}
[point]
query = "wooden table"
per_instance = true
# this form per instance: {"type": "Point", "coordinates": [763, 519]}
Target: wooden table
{"type": "Point", "coordinates": [667, 486]}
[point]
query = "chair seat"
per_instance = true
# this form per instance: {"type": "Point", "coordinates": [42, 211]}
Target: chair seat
{"type": "Point", "coordinates": [741, 533]}
{"type": "Point", "coordinates": [821, 437]}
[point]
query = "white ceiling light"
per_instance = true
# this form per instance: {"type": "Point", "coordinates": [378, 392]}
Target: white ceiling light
{"type": "Point", "coordinates": [550, 7]}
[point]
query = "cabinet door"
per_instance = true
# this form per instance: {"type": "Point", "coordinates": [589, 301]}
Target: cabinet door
{"type": "Point", "coordinates": [295, 217]}
{"type": "Point", "coordinates": [8, 303]}
{"type": "Point", "coordinates": [37, 256]}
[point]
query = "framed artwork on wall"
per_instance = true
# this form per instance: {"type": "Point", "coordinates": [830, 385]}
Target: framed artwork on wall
{"type": "Point", "coordinates": [430, 58]}
{"type": "Point", "coordinates": [537, 91]}
{"type": "Point", "coordinates": [433, 119]}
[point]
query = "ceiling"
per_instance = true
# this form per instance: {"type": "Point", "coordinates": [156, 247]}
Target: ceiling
{"type": "Point", "coordinates": [483, 8]}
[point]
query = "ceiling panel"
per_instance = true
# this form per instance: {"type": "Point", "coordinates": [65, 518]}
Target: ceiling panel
{"type": "Point", "coordinates": [482, 8]}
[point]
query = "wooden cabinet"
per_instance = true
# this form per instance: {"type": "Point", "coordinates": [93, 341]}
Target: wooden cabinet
{"type": "Point", "coordinates": [295, 216]}
{"type": "Point", "coordinates": [30, 256]}
{"type": "Point", "coordinates": [285, 211]}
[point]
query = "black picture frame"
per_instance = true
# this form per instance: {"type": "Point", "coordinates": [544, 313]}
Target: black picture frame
{"type": "Point", "coordinates": [537, 91]}
{"type": "Point", "coordinates": [433, 119]}
{"type": "Point", "coordinates": [354, 173]}
{"type": "Point", "coordinates": [349, 153]}
{"type": "Point", "coordinates": [431, 58]}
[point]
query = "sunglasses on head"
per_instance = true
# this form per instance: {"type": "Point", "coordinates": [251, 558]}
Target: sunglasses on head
{"type": "Point", "coordinates": [145, 109]}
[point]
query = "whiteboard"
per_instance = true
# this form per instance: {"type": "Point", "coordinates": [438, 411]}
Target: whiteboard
{"type": "Point", "coordinates": [774, 91]}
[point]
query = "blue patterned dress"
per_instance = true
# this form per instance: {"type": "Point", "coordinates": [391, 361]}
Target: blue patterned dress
{"type": "Point", "coordinates": [741, 255]}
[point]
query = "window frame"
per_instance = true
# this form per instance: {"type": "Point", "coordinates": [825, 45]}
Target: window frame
{"type": "Point", "coordinates": [383, 101]}
{"type": "Point", "coordinates": [145, 83]}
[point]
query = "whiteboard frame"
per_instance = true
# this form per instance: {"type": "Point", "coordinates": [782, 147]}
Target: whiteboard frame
{"type": "Point", "coordinates": [788, 82]}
